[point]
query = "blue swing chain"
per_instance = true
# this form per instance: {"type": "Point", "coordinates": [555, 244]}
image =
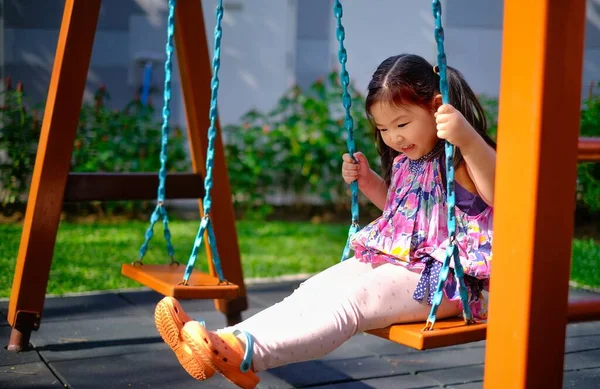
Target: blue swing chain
{"type": "Point", "coordinates": [452, 248]}
{"type": "Point", "coordinates": [160, 210]}
{"type": "Point", "coordinates": [205, 224]}
{"type": "Point", "coordinates": [348, 122]}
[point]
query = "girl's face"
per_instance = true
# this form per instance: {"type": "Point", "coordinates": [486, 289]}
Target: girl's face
{"type": "Point", "coordinates": [408, 129]}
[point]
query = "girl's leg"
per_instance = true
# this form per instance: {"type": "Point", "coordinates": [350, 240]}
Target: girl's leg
{"type": "Point", "coordinates": [324, 283]}
{"type": "Point", "coordinates": [333, 309]}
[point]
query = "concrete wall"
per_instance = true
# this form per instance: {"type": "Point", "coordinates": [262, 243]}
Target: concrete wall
{"type": "Point", "coordinates": [473, 38]}
{"type": "Point", "coordinates": [312, 43]}
{"type": "Point", "coordinates": [268, 45]}
{"type": "Point", "coordinates": [31, 33]}
{"type": "Point", "coordinates": [257, 50]}
{"type": "Point", "coordinates": [374, 33]}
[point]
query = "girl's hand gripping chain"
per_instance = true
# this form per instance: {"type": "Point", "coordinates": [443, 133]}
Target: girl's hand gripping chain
{"type": "Point", "coordinates": [453, 127]}
{"type": "Point", "coordinates": [352, 170]}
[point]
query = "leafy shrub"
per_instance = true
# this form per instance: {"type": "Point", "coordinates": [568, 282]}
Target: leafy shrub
{"type": "Point", "coordinates": [296, 148]}
{"type": "Point", "coordinates": [107, 140]}
{"type": "Point", "coordinates": [589, 173]}
{"type": "Point", "coordinates": [19, 132]}
{"type": "Point", "coordinates": [293, 151]}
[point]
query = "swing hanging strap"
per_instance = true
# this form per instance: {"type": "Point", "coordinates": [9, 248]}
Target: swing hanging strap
{"type": "Point", "coordinates": [160, 210]}
{"type": "Point", "coordinates": [348, 122]}
{"type": "Point", "coordinates": [452, 248]}
{"type": "Point", "coordinates": [206, 224]}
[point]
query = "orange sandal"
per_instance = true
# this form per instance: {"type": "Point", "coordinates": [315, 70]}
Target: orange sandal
{"type": "Point", "coordinates": [170, 319]}
{"type": "Point", "coordinates": [224, 352]}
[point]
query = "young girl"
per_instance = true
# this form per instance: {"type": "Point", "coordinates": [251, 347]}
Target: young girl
{"type": "Point", "coordinates": [398, 256]}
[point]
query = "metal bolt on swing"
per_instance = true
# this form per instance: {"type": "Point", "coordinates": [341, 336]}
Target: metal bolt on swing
{"type": "Point", "coordinates": [428, 325]}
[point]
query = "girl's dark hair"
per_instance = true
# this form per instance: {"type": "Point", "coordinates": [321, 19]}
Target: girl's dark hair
{"type": "Point", "coordinates": [408, 79]}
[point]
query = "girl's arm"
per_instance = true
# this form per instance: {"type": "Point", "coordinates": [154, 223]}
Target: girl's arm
{"type": "Point", "coordinates": [480, 159]}
{"type": "Point", "coordinates": [375, 189]}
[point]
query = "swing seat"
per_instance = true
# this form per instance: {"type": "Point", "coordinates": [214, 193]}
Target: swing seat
{"type": "Point", "coordinates": [167, 280]}
{"type": "Point", "coordinates": [454, 331]}
{"type": "Point", "coordinates": [447, 332]}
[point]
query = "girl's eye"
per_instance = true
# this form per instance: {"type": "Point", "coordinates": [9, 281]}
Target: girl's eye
{"type": "Point", "coordinates": [381, 129]}
{"type": "Point", "coordinates": [402, 125]}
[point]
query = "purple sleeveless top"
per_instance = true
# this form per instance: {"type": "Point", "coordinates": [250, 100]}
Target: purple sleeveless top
{"type": "Point", "coordinates": [468, 202]}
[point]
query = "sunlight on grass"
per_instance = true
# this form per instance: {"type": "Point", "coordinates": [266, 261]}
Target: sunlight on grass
{"type": "Point", "coordinates": [89, 256]}
{"type": "Point", "coordinates": [585, 269]}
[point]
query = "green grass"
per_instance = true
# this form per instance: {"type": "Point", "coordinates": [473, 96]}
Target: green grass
{"type": "Point", "coordinates": [585, 269]}
{"type": "Point", "coordinates": [88, 256]}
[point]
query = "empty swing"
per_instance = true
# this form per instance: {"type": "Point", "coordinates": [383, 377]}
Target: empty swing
{"type": "Point", "coordinates": [449, 331]}
{"type": "Point", "coordinates": [172, 279]}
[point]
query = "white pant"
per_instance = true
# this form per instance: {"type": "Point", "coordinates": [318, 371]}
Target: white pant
{"type": "Point", "coordinates": [332, 306]}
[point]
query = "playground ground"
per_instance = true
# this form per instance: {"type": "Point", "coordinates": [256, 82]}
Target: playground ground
{"type": "Point", "coordinates": [108, 340]}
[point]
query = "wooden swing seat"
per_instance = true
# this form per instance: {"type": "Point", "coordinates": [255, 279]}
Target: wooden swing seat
{"type": "Point", "coordinates": [454, 331]}
{"type": "Point", "coordinates": [448, 332]}
{"type": "Point", "coordinates": [166, 280]}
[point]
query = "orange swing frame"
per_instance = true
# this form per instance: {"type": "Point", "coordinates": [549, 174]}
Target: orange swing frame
{"type": "Point", "coordinates": [540, 94]}
{"type": "Point", "coordinates": [542, 59]}
{"type": "Point", "coordinates": [52, 184]}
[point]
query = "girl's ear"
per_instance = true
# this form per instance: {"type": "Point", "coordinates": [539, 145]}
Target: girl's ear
{"type": "Point", "coordinates": [437, 102]}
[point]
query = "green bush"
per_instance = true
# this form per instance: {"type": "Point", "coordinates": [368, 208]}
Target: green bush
{"type": "Point", "coordinates": [19, 132]}
{"type": "Point", "coordinates": [490, 107]}
{"type": "Point", "coordinates": [125, 140]}
{"type": "Point", "coordinates": [297, 147]}
{"type": "Point", "coordinates": [107, 140]}
{"type": "Point", "coordinates": [293, 150]}
{"type": "Point", "coordinates": [589, 173]}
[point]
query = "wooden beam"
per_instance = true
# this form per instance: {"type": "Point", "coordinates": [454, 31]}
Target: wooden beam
{"type": "Point", "coordinates": [143, 186]}
{"type": "Point", "coordinates": [542, 60]}
{"type": "Point", "coordinates": [196, 72]}
{"type": "Point", "coordinates": [52, 163]}
{"type": "Point", "coordinates": [589, 149]}
{"type": "Point", "coordinates": [584, 310]}
{"type": "Point", "coordinates": [131, 186]}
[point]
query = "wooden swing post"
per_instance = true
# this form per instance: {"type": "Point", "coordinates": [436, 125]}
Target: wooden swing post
{"type": "Point", "coordinates": [51, 169]}
{"type": "Point", "coordinates": [52, 184]}
{"type": "Point", "coordinates": [540, 94]}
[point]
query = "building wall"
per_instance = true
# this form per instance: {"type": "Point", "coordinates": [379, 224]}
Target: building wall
{"type": "Point", "coordinates": [268, 45]}
{"type": "Point", "coordinates": [473, 38]}
{"type": "Point", "coordinates": [312, 40]}
{"type": "Point", "coordinates": [375, 32]}
{"type": "Point", "coordinates": [31, 34]}
{"type": "Point", "coordinates": [474, 43]}
{"type": "Point", "coordinates": [257, 50]}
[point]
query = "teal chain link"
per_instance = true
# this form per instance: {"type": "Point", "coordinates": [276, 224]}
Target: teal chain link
{"type": "Point", "coordinates": [452, 249]}
{"type": "Point", "coordinates": [205, 224]}
{"type": "Point", "coordinates": [348, 122]}
{"type": "Point", "coordinates": [160, 210]}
